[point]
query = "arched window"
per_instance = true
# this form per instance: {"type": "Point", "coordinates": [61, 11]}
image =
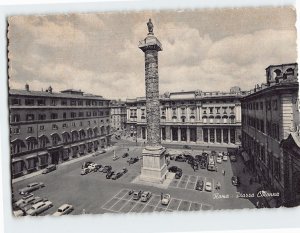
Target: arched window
{"type": "Point", "coordinates": [43, 140]}
{"type": "Point", "coordinates": [31, 142]}
{"type": "Point", "coordinates": [55, 139]}
{"type": "Point", "coordinates": [75, 135]}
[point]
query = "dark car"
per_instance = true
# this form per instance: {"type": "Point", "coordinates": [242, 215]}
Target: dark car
{"type": "Point", "coordinates": [174, 169]}
{"type": "Point", "coordinates": [178, 174]}
{"type": "Point", "coordinates": [125, 155]}
{"type": "Point", "coordinates": [199, 185]}
{"type": "Point", "coordinates": [50, 168]}
{"type": "Point", "coordinates": [116, 176]}
{"type": "Point", "coordinates": [203, 165]}
{"type": "Point", "coordinates": [180, 158]}
{"type": "Point", "coordinates": [107, 169]}
{"type": "Point", "coordinates": [188, 157]}
{"type": "Point", "coordinates": [109, 174]}
{"type": "Point", "coordinates": [97, 167]}
{"type": "Point", "coordinates": [125, 170]}
{"type": "Point", "coordinates": [235, 181]}
{"type": "Point", "coordinates": [232, 158]}
{"type": "Point", "coordinates": [132, 160]}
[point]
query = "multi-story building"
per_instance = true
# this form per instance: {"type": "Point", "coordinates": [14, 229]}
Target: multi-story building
{"type": "Point", "coordinates": [291, 162]}
{"type": "Point", "coordinates": [269, 113]}
{"type": "Point", "coordinates": [49, 128]}
{"type": "Point", "coordinates": [191, 117]}
{"type": "Point", "coordinates": [118, 115]}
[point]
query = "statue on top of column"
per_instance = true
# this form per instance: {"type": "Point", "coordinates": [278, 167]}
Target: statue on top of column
{"type": "Point", "coordinates": [150, 27]}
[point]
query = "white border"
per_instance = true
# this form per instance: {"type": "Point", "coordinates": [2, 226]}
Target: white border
{"type": "Point", "coordinates": [165, 222]}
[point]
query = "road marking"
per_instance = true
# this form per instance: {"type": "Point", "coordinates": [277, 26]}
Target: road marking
{"type": "Point", "coordinates": [190, 205]}
{"type": "Point", "coordinates": [179, 204]}
{"type": "Point", "coordinates": [187, 182]}
{"type": "Point", "coordinates": [115, 196]}
{"type": "Point", "coordinates": [121, 198]}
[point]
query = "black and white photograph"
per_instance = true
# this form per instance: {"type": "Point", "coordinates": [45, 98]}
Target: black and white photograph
{"type": "Point", "coordinates": [153, 111]}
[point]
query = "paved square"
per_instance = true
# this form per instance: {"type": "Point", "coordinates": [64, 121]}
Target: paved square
{"type": "Point", "coordinates": [122, 202]}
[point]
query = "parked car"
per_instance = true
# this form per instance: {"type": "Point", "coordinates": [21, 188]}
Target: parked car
{"type": "Point", "coordinates": [233, 158]}
{"type": "Point", "coordinates": [106, 169]}
{"type": "Point", "coordinates": [186, 147]}
{"type": "Point", "coordinates": [39, 208]}
{"type": "Point", "coordinates": [116, 175]}
{"type": "Point", "coordinates": [101, 151]}
{"type": "Point", "coordinates": [25, 199]}
{"type": "Point", "coordinates": [31, 187]}
{"type": "Point", "coordinates": [219, 159]}
{"type": "Point", "coordinates": [92, 167]}
{"type": "Point", "coordinates": [132, 160]}
{"type": "Point", "coordinates": [124, 170]}
{"type": "Point", "coordinates": [97, 167]}
{"type": "Point", "coordinates": [101, 169]}
{"type": "Point", "coordinates": [180, 158]}
{"type": "Point", "coordinates": [125, 155]}
{"type": "Point", "coordinates": [50, 168]}
{"type": "Point", "coordinates": [235, 181]}
{"type": "Point", "coordinates": [86, 164]}
{"type": "Point", "coordinates": [146, 195]}
{"type": "Point", "coordinates": [174, 169]}
{"type": "Point", "coordinates": [199, 185]}
{"type": "Point", "coordinates": [18, 213]}
{"type": "Point", "coordinates": [137, 195]}
{"type": "Point", "coordinates": [84, 171]}
{"type": "Point", "coordinates": [208, 186]}
{"type": "Point", "coordinates": [178, 174]}
{"type": "Point", "coordinates": [63, 210]}
{"type": "Point", "coordinates": [109, 174]}
{"type": "Point", "coordinates": [165, 199]}
{"type": "Point", "coordinates": [225, 157]}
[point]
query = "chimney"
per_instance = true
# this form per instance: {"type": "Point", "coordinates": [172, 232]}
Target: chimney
{"type": "Point", "coordinates": [26, 87]}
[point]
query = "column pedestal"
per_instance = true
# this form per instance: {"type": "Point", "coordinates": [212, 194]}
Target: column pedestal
{"type": "Point", "coordinates": [154, 168]}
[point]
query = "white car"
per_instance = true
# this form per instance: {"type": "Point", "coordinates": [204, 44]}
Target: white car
{"type": "Point", "coordinates": [165, 199]}
{"type": "Point", "coordinates": [225, 158]}
{"type": "Point", "coordinates": [39, 208]}
{"type": "Point", "coordinates": [64, 209]}
{"type": "Point", "coordinates": [208, 186]}
{"type": "Point", "coordinates": [219, 159]}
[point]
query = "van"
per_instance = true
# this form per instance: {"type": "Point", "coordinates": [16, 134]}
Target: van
{"type": "Point", "coordinates": [50, 168]}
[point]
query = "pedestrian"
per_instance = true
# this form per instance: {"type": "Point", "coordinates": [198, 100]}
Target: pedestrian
{"type": "Point", "coordinates": [161, 196]}
{"type": "Point", "coordinates": [83, 211]}
{"type": "Point", "coordinates": [216, 168]}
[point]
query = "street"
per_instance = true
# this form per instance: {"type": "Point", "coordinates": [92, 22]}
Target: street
{"type": "Point", "coordinates": [93, 193]}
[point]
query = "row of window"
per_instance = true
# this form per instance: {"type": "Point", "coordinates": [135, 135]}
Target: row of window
{"type": "Point", "coordinates": [54, 102]}
{"type": "Point", "coordinates": [53, 116]}
{"type": "Point", "coordinates": [268, 105]}
{"type": "Point", "coordinates": [259, 151]}
{"type": "Point", "coordinates": [30, 129]}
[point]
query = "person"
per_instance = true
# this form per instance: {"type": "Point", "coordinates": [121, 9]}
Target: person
{"type": "Point", "coordinates": [216, 168]}
{"type": "Point", "coordinates": [219, 185]}
{"type": "Point", "coordinates": [161, 196]}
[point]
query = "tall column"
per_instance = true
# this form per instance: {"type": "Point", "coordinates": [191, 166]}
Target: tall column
{"type": "Point", "coordinates": [154, 168]}
{"type": "Point", "coordinates": [179, 134]}
{"type": "Point", "coordinates": [215, 132]}
{"type": "Point", "coordinates": [208, 134]}
{"type": "Point", "coordinates": [229, 136]}
{"type": "Point", "coordinates": [222, 136]}
{"type": "Point", "coordinates": [188, 136]}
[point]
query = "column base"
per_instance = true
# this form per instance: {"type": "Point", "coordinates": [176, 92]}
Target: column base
{"type": "Point", "coordinates": [154, 167]}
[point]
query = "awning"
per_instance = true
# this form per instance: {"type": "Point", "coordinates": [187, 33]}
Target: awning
{"type": "Point", "coordinates": [17, 160]}
{"type": "Point", "coordinates": [43, 153]}
{"type": "Point", "coordinates": [245, 156]}
{"type": "Point", "coordinates": [32, 156]}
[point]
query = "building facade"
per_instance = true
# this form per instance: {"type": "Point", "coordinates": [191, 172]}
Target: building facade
{"type": "Point", "coordinates": [269, 113]}
{"type": "Point", "coordinates": [291, 160]}
{"type": "Point", "coordinates": [118, 115]}
{"type": "Point", "coordinates": [49, 128]}
{"type": "Point", "coordinates": [191, 117]}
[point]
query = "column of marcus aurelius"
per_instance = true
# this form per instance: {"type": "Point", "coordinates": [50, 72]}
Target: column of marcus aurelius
{"type": "Point", "coordinates": [154, 168]}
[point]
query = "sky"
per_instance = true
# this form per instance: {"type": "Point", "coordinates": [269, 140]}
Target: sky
{"type": "Point", "coordinates": [204, 49]}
